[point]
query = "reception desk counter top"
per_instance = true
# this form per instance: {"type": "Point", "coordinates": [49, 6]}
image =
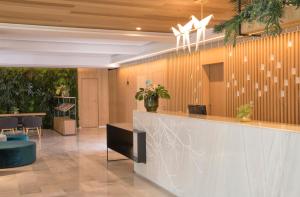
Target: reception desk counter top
{"type": "Point", "coordinates": [207, 156]}
{"type": "Point", "coordinates": [253, 123]}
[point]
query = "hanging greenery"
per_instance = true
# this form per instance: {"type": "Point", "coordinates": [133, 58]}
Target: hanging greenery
{"type": "Point", "coordinates": [33, 89]}
{"type": "Point", "coordinates": [266, 12]}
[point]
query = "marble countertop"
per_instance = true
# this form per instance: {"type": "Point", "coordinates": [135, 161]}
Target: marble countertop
{"type": "Point", "coordinates": [254, 123]}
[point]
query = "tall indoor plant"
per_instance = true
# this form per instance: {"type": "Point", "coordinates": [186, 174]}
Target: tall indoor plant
{"type": "Point", "coordinates": [151, 95]}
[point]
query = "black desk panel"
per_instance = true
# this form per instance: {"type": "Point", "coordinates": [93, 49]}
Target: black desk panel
{"type": "Point", "coordinates": [120, 139]}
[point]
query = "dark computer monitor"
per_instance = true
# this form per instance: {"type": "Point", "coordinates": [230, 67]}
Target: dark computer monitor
{"type": "Point", "coordinates": [197, 109]}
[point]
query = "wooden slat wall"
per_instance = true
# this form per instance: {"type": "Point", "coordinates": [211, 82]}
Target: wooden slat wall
{"type": "Point", "coordinates": [264, 60]}
{"type": "Point", "coordinates": [123, 84]}
{"type": "Point", "coordinates": [180, 74]}
{"type": "Point", "coordinates": [183, 76]}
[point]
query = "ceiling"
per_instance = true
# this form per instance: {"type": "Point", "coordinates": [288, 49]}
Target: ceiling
{"type": "Point", "coordinates": [150, 15]}
{"type": "Point", "coordinates": [44, 46]}
{"type": "Point", "coordinates": [31, 45]}
{"type": "Point", "coordinates": [94, 33]}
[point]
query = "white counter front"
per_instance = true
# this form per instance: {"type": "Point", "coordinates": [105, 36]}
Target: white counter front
{"type": "Point", "coordinates": [210, 157]}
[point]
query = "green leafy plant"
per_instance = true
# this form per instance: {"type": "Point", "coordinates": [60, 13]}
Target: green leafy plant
{"type": "Point", "coordinates": [33, 89]}
{"type": "Point", "coordinates": [152, 90]}
{"type": "Point", "coordinates": [266, 12]}
{"type": "Point", "coordinates": [244, 111]}
{"type": "Point", "coordinates": [151, 95]}
{"type": "Point", "coordinates": [62, 90]}
{"type": "Point", "coordinates": [11, 87]}
{"type": "Point", "coordinates": [15, 110]}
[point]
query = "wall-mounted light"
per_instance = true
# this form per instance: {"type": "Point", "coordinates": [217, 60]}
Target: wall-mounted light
{"type": "Point", "coordinates": [138, 28]}
{"type": "Point", "coordinates": [113, 65]}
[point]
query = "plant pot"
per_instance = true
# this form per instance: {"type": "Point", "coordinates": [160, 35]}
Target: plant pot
{"type": "Point", "coordinates": [245, 119]}
{"type": "Point", "coordinates": [151, 103]}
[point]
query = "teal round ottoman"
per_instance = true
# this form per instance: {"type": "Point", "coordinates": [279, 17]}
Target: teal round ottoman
{"type": "Point", "coordinates": [17, 153]}
{"type": "Point", "coordinates": [17, 138]}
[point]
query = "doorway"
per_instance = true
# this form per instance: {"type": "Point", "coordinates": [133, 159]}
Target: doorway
{"type": "Point", "coordinates": [89, 110]}
{"type": "Point", "coordinates": [215, 89]}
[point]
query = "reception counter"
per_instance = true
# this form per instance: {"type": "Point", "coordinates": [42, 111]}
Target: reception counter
{"type": "Point", "coordinates": [206, 156]}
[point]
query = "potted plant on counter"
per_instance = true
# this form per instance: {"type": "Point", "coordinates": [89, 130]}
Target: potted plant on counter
{"type": "Point", "coordinates": [151, 95]}
{"type": "Point", "coordinates": [244, 113]}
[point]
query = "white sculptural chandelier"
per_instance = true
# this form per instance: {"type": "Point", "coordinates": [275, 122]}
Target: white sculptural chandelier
{"type": "Point", "coordinates": [184, 31]}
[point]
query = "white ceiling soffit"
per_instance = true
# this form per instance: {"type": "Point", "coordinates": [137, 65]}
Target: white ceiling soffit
{"type": "Point", "coordinates": [30, 45]}
{"type": "Point", "coordinates": [53, 60]}
{"type": "Point", "coordinates": [74, 34]}
{"type": "Point", "coordinates": [154, 49]}
{"type": "Point", "coordinates": [68, 47]}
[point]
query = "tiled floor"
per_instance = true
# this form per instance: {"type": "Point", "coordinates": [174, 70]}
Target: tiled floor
{"type": "Point", "coordinates": [75, 166]}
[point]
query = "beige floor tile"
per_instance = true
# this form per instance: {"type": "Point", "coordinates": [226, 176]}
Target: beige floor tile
{"type": "Point", "coordinates": [53, 190]}
{"type": "Point", "coordinates": [10, 193]}
{"type": "Point", "coordinates": [75, 166]}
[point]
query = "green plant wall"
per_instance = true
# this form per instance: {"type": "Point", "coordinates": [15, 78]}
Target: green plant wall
{"type": "Point", "coordinates": [33, 89]}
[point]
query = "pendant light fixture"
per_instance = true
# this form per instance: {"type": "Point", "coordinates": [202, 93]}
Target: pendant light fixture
{"type": "Point", "coordinates": [184, 31]}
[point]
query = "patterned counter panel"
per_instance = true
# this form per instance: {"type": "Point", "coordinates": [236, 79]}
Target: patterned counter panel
{"type": "Point", "coordinates": [203, 158]}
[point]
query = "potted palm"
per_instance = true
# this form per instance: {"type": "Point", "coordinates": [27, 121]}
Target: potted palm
{"type": "Point", "coordinates": [151, 95]}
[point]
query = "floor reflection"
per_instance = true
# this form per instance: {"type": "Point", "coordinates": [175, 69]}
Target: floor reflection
{"type": "Point", "coordinates": [75, 166]}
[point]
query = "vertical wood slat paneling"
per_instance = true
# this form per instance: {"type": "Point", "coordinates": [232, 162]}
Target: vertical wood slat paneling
{"type": "Point", "coordinates": [183, 75]}
{"type": "Point", "coordinates": [268, 51]}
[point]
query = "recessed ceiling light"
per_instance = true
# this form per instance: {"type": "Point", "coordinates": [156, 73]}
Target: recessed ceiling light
{"type": "Point", "coordinates": [138, 28]}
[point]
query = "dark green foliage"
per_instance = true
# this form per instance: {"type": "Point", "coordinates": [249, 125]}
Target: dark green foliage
{"type": "Point", "coordinates": [159, 91]}
{"type": "Point", "coordinates": [266, 12]}
{"type": "Point", "coordinates": [33, 89]}
{"type": "Point", "coordinates": [140, 94]}
{"type": "Point", "coordinates": [162, 92]}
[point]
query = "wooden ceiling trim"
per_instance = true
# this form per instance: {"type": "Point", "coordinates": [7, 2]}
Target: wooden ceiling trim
{"type": "Point", "coordinates": [107, 10]}
{"type": "Point", "coordinates": [21, 20]}
{"type": "Point", "coordinates": [39, 3]}
{"type": "Point", "coordinates": [152, 16]}
{"type": "Point", "coordinates": [130, 3]}
{"type": "Point", "coordinates": [27, 15]}
{"type": "Point", "coordinates": [33, 10]}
